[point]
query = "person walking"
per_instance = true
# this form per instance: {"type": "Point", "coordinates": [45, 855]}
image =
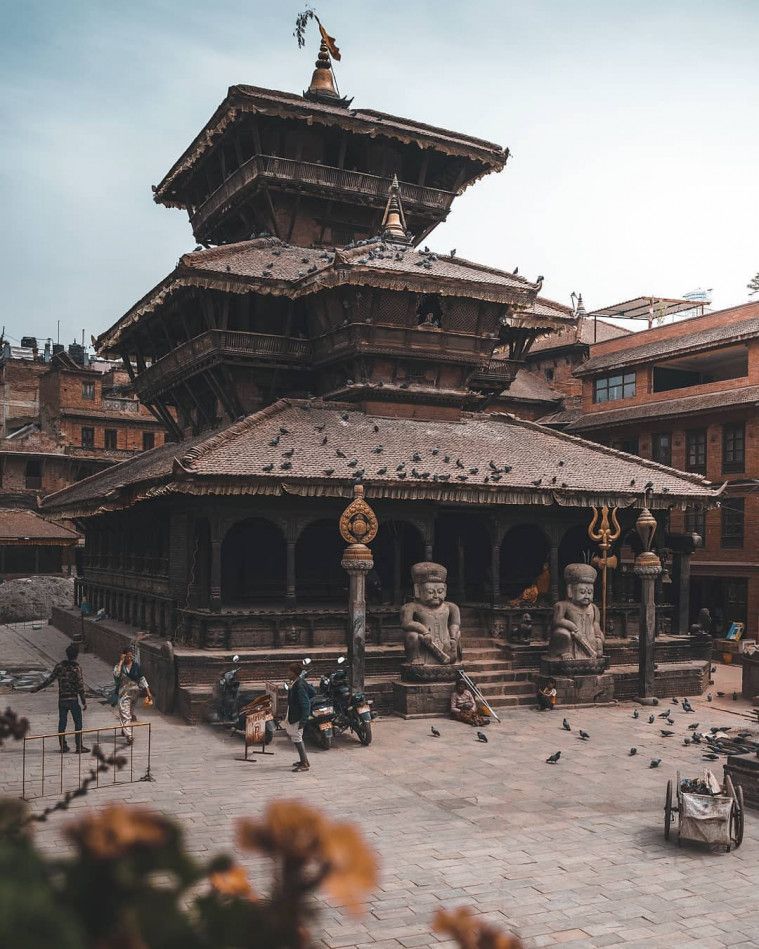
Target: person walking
{"type": "Point", "coordinates": [298, 710]}
{"type": "Point", "coordinates": [129, 679]}
{"type": "Point", "coordinates": [70, 693]}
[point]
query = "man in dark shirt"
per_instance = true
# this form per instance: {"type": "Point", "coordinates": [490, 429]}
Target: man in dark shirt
{"type": "Point", "coordinates": [298, 711]}
{"type": "Point", "coordinates": [70, 692]}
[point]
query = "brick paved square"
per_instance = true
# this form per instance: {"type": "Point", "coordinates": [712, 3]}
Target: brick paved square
{"type": "Point", "coordinates": [571, 854]}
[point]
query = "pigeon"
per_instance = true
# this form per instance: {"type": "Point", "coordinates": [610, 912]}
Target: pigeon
{"type": "Point", "coordinates": [720, 695]}
{"type": "Point", "coordinates": [275, 441]}
{"type": "Point", "coordinates": [481, 736]}
{"type": "Point", "coordinates": [537, 482]}
{"type": "Point", "coordinates": [352, 463]}
{"type": "Point", "coordinates": [687, 707]}
{"type": "Point", "coordinates": [283, 430]}
{"type": "Point", "coordinates": [675, 701]}
{"type": "Point", "coordinates": [714, 668]}
{"type": "Point", "coordinates": [636, 713]}
{"type": "Point", "coordinates": [340, 453]}
{"type": "Point", "coordinates": [696, 738]}
{"type": "Point", "coordinates": [381, 471]}
{"type": "Point", "coordinates": [566, 726]}
{"type": "Point", "coordinates": [686, 741]}
{"type": "Point", "coordinates": [289, 453]}
{"type": "Point", "coordinates": [434, 732]}
{"type": "Point", "coordinates": [329, 471]}
{"type": "Point", "coordinates": [710, 756]}
{"type": "Point", "coordinates": [452, 253]}
{"type": "Point", "coordinates": [269, 467]}
{"type": "Point", "coordinates": [375, 428]}
{"type": "Point", "coordinates": [320, 428]}
{"type": "Point", "coordinates": [633, 751]}
{"type": "Point", "coordinates": [325, 440]}
{"type": "Point", "coordinates": [664, 714]}
{"type": "Point", "coordinates": [651, 719]}
{"type": "Point", "coordinates": [378, 450]}
{"type": "Point", "coordinates": [416, 456]}
{"type": "Point", "coordinates": [515, 271]}
{"type": "Point", "coordinates": [666, 733]}
{"type": "Point", "coordinates": [655, 762]}
{"type": "Point", "coordinates": [709, 697]}
{"type": "Point", "coordinates": [552, 759]}
{"type": "Point", "coordinates": [584, 735]}
{"type": "Point", "coordinates": [344, 416]}
{"type": "Point", "coordinates": [286, 465]}
{"type": "Point", "coordinates": [459, 463]}
{"type": "Point", "coordinates": [693, 726]}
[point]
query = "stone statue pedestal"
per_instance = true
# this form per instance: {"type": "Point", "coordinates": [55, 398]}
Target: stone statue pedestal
{"type": "Point", "coordinates": [578, 681]}
{"type": "Point", "coordinates": [427, 672]}
{"type": "Point", "coordinates": [422, 699]}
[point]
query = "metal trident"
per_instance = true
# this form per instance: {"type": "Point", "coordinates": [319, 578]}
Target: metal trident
{"type": "Point", "coordinates": [604, 534]}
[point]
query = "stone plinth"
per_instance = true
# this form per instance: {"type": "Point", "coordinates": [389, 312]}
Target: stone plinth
{"type": "Point", "coordinates": [744, 772]}
{"type": "Point", "coordinates": [418, 699]}
{"type": "Point", "coordinates": [581, 689]}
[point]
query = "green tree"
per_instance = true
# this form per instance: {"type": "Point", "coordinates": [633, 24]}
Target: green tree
{"type": "Point", "coordinates": [753, 285]}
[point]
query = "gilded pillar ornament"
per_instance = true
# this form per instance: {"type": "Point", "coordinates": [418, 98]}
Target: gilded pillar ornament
{"type": "Point", "coordinates": [358, 528]}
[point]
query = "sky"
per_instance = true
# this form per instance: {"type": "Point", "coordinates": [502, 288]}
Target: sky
{"type": "Point", "coordinates": [632, 126]}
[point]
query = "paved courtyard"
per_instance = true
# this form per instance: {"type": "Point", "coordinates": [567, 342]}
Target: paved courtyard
{"type": "Point", "coordinates": [566, 854]}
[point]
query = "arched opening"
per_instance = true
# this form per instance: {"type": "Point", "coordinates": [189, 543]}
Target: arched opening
{"type": "Point", "coordinates": [399, 545]}
{"type": "Point", "coordinates": [575, 547]}
{"type": "Point", "coordinates": [253, 561]}
{"type": "Point", "coordinates": [318, 556]}
{"type": "Point", "coordinates": [429, 311]}
{"type": "Point", "coordinates": [462, 544]}
{"type": "Point", "coordinates": [524, 562]}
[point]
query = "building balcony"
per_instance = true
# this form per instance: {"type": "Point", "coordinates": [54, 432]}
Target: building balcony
{"type": "Point", "coordinates": [496, 377]}
{"type": "Point", "coordinates": [314, 177]}
{"type": "Point", "coordinates": [213, 347]}
{"type": "Point", "coordinates": [409, 342]}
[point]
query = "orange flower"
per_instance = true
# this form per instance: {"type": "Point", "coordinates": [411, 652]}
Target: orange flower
{"type": "Point", "coordinates": [470, 932]}
{"type": "Point", "coordinates": [232, 882]}
{"type": "Point", "coordinates": [116, 830]}
{"type": "Point", "coordinates": [332, 855]}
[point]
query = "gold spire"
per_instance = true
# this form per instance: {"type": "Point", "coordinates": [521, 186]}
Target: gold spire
{"type": "Point", "coordinates": [394, 221]}
{"type": "Point", "coordinates": [322, 81]}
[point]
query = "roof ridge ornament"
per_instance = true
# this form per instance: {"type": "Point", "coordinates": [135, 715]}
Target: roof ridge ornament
{"type": "Point", "coordinates": [393, 226]}
{"type": "Point", "coordinates": [323, 87]}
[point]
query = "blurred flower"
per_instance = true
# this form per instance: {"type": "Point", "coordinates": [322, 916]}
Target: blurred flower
{"type": "Point", "coordinates": [332, 855]}
{"type": "Point", "coordinates": [117, 830]}
{"type": "Point", "coordinates": [11, 726]}
{"type": "Point", "coordinates": [232, 882]}
{"type": "Point", "coordinates": [470, 932]}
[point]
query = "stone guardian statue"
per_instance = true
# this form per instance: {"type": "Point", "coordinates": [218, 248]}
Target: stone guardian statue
{"type": "Point", "coordinates": [576, 632]}
{"type": "Point", "coordinates": [432, 625]}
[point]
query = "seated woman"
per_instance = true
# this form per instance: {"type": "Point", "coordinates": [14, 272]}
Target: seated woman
{"type": "Point", "coordinates": [464, 706]}
{"type": "Point", "coordinates": [547, 696]}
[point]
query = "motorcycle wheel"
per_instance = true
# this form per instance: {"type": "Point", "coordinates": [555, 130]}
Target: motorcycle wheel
{"type": "Point", "coordinates": [324, 740]}
{"type": "Point", "coordinates": [364, 732]}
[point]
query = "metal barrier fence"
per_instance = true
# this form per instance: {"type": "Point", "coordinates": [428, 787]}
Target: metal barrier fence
{"type": "Point", "coordinates": [60, 779]}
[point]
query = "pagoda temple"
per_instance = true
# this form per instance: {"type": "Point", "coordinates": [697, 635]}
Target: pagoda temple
{"type": "Point", "coordinates": [309, 344]}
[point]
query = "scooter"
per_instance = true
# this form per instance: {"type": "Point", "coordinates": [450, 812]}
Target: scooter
{"type": "Point", "coordinates": [352, 710]}
{"type": "Point", "coordinates": [319, 724]}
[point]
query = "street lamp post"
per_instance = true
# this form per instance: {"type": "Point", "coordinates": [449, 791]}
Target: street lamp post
{"type": "Point", "coordinates": [647, 568]}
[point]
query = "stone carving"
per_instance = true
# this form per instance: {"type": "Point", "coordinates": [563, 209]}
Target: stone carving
{"type": "Point", "coordinates": [522, 634]}
{"type": "Point", "coordinates": [432, 626]}
{"type": "Point", "coordinates": [577, 640]}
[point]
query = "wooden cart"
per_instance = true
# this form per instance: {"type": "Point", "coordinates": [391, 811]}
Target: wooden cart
{"type": "Point", "coordinates": [712, 819]}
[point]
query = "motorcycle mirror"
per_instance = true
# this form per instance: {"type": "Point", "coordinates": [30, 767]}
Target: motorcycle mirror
{"type": "Point", "coordinates": [307, 661]}
{"type": "Point", "coordinates": [235, 658]}
{"type": "Point", "coordinates": [341, 660]}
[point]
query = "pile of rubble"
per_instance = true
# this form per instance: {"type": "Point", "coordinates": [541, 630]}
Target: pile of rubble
{"type": "Point", "coordinates": [34, 598]}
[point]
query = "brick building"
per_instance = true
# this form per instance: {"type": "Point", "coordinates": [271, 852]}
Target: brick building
{"type": "Point", "coordinates": [686, 395]}
{"type": "Point", "coordinates": [63, 421]}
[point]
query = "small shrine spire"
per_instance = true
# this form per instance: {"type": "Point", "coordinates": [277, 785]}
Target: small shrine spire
{"type": "Point", "coordinates": [580, 312]}
{"type": "Point", "coordinates": [394, 220]}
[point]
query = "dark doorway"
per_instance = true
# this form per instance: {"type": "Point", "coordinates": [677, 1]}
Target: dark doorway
{"type": "Point", "coordinates": [398, 546]}
{"type": "Point", "coordinates": [575, 547]}
{"type": "Point", "coordinates": [253, 562]}
{"type": "Point", "coordinates": [524, 558]}
{"type": "Point", "coordinates": [462, 544]}
{"type": "Point", "coordinates": [318, 556]}
{"type": "Point", "coordinates": [724, 597]}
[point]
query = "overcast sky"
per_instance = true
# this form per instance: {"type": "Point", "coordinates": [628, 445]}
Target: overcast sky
{"type": "Point", "coordinates": [633, 129]}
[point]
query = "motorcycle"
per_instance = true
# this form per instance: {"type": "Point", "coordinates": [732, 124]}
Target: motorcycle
{"type": "Point", "coordinates": [352, 710]}
{"type": "Point", "coordinates": [318, 726]}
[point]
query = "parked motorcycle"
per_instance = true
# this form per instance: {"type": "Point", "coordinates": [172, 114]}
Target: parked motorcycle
{"type": "Point", "coordinates": [352, 710]}
{"type": "Point", "coordinates": [318, 726]}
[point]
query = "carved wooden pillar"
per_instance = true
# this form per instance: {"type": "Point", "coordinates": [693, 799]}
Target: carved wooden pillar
{"type": "Point", "coordinates": [647, 568]}
{"type": "Point", "coordinates": [358, 528]}
{"type": "Point", "coordinates": [397, 565]}
{"type": "Point", "coordinates": [495, 568]}
{"type": "Point", "coordinates": [290, 593]}
{"type": "Point", "coordinates": [460, 570]}
{"type": "Point", "coordinates": [215, 578]}
{"type": "Point", "coordinates": [553, 565]}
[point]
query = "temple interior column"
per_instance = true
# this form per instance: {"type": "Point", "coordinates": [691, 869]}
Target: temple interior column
{"type": "Point", "coordinates": [397, 581]}
{"type": "Point", "coordinates": [290, 590]}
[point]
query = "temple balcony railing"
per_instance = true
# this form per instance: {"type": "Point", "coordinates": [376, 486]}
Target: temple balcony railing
{"type": "Point", "coordinates": [495, 377]}
{"type": "Point", "coordinates": [216, 346]}
{"type": "Point", "coordinates": [408, 341]}
{"type": "Point", "coordinates": [312, 175]}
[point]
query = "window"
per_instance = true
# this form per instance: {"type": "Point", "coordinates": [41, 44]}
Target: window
{"type": "Point", "coordinates": [630, 445]}
{"type": "Point", "coordinates": [695, 523]}
{"type": "Point", "coordinates": [33, 473]}
{"type": "Point", "coordinates": [549, 374]}
{"type": "Point", "coordinates": [733, 447]}
{"type": "Point", "coordinates": [611, 388]}
{"type": "Point", "coordinates": [732, 522]}
{"type": "Point", "coordinates": [695, 450]}
{"type": "Point", "coordinates": [429, 312]}
{"type": "Point", "coordinates": [110, 438]}
{"type": "Point", "coordinates": [88, 437]}
{"type": "Point", "coordinates": [148, 440]}
{"type": "Point", "coordinates": [88, 390]}
{"type": "Point", "coordinates": [661, 448]}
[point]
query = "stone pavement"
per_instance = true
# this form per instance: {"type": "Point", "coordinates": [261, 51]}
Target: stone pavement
{"type": "Point", "coordinates": [567, 854]}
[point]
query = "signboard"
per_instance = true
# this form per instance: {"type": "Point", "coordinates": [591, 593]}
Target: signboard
{"type": "Point", "coordinates": [255, 726]}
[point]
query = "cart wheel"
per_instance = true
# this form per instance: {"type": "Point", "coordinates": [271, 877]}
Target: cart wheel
{"type": "Point", "coordinates": [736, 818]}
{"type": "Point", "coordinates": [668, 810]}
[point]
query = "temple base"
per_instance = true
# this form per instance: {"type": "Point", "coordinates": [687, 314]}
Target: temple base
{"type": "Point", "coordinates": [580, 689]}
{"type": "Point", "coordinates": [421, 699]}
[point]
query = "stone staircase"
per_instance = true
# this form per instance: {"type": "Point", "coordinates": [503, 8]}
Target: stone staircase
{"type": "Point", "coordinates": [488, 665]}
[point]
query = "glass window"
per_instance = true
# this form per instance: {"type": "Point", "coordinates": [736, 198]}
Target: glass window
{"type": "Point", "coordinates": [148, 440]}
{"type": "Point", "coordinates": [88, 390]}
{"type": "Point", "coordinates": [611, 388]}
{"type": "Point", "coordinates": [695, 450]}
{"type": "Point", "coordinates": [661, 447]}
{"type": "Point", "coordinates": [33, 473]}
{"type": "Point", "coordinates": [88, 437]}
{"type": "Point", "coordinates": [695, 523]}
{"type": "Point", "coordinates": [733, 511]}
{"type": "Point", "coordinates": [110, 438]}
{"type": "Point", "coordinates": [733, 447]}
